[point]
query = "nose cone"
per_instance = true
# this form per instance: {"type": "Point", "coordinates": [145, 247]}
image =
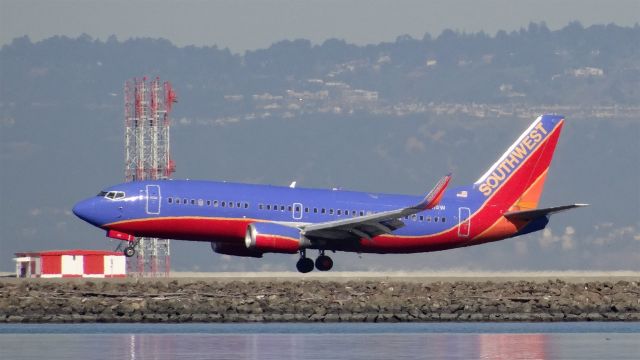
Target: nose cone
{"type": "Point", "coordinates": [86, 210]}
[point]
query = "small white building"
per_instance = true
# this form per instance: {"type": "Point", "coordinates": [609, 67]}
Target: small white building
{"type": "Point", "coordinates": [586, 72]}
{"type": "Point", "coordinates": [71, 263]}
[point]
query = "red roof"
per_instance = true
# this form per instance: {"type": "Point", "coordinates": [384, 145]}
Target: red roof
{"type": "Point", "coordinates": [68, 252]}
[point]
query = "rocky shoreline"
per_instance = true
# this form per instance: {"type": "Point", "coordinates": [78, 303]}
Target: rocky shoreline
{"type": "Point", "coordinates": [172, 301]}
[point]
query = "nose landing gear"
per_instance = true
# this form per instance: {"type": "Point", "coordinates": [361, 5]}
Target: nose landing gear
{"type": "Point", "coordinates": [322, 263]}
{"type": "Point", "coordinates": [129, 251]}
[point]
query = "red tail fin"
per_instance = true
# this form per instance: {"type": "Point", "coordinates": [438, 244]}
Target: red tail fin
{"type": "Point", "coordinates": [516, 180]}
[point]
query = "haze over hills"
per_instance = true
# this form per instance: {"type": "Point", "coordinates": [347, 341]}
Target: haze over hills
{"type": "Point", "coordinates": [388, 117]}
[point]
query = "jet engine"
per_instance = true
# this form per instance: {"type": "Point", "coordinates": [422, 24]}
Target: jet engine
{"type": "Point", "coordinates": [274, 238]}
{"type": "Point", "coordinates": [235, 250]}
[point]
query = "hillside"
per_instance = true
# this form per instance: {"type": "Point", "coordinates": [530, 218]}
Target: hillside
{"type": "Point", "coordinates": [388, 117]}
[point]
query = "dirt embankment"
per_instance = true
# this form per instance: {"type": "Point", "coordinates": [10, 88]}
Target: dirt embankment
{"type": "Point", "coordinates": [316, 301]}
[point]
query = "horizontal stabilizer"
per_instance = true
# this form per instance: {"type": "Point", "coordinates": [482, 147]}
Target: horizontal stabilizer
{"type": "Point", "coordinates": [536, 213]}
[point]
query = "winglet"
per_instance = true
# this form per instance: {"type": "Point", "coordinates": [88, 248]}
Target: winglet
{"type": "Point", "coordinates": [435, 195]}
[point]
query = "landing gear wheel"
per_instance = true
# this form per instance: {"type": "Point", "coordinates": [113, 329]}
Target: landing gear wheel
{"type": "Point", "coordinates": [324, 263]}
{"type": "Point", "coordinates": [304, 265]}
{"type": "Point", "coordinates": [129, 251]}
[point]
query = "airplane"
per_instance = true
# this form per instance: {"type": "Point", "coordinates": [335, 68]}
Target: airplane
{"type": "Point", "coordinates": [250, 220]}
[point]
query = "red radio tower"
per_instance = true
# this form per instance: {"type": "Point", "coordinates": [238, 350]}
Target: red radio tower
{"type": "Point", "coordinates": [147, 108]}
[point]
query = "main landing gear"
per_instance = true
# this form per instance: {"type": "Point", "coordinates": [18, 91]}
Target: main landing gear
{"type": "Point", "coordinates": [322, 263]}
{"type": "Point", "coordinates": [304, 265]}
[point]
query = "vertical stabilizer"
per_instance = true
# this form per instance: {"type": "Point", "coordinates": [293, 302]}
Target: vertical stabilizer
{"type": "Point", "coordinates": [516, 180]}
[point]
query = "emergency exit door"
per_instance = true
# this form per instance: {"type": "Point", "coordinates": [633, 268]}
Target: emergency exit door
{"type": "Point", "coordinates": [464, 221]}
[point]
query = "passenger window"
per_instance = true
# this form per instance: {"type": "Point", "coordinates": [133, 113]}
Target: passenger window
{"type": "Point", "coordinates": [208, 202]}
{"type": "Point", "coordinates": [260, 206]}
{"type": "Point", "coordinates": [200, 202]}
{"type": "Point", "coordinates": [324, 211]}
{"type": "Point", "coordinates": [215, 203]}
{"type": "Point", "coordinates": [169, 200]}
{"type": "Point", "coordinates": [230, 204]}
{"type": "Point", "coordinates": [421, 217]}
{"type": "Point", "coordinates": [281, 207]}
{"type": "Point", "coordinates": [435, 219]}
{"type": "Point", "coordinates": [315, 210]}
{"type": "Point", "coordinates": [414, 217]}
{"type": "Point", "coordinates": [330, 211]}
{"type": "Point", "coordinates": [238, 204]}
{"type": "Point", "coordinates": [306, 210]}
{"type": "Point", "coordinates": [185, 201]}
{"type": "Point", "coordinates": [354, 213]}
{"type": "Point", "coordinates": [290, 209]}
{"type": "Point", "coordinates": [339, 212]}
{"type": "Point", "coordinates": [428, 218]}
{"type": "Point", "coordinates": [275, 207]}
{"type": "Point", "coordinates": [361, 213]}
{"type": "Point", "coordinates": [268, 207]}
{"type": "Point", "coordinates": [443, 219]}
{"type": "Point", "coordinates": [246, 205]}
{"type": "Point", "coordinates": [223, 204]}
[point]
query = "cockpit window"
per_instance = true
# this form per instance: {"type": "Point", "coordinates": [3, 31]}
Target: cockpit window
{"type": "Point", "coordinates": [113, 195]}
{"type": "Point", "coordinates": [102, 193]}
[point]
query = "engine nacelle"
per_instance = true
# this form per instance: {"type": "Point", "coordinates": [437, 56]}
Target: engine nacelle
{"type": "Point", "coordinates": [235, 250]}
{"type": "Point", "coordinates": [275, 238]}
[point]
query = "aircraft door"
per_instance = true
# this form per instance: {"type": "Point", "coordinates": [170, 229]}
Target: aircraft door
{"type": "Point", "coordinates": [297, 211]}
{"type": "Point", "coordinates": [464, 221]}
{"type": "Point", "coordinates": [153, 199]}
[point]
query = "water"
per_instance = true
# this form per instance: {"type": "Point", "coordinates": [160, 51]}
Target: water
{"type": "Point", "coordinates": [322, 341]}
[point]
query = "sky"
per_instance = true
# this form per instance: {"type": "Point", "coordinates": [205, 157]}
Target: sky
{"type": "Point", "coordinates": [251, 24]}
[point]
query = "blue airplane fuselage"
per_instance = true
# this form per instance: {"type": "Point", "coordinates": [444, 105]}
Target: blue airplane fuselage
{"type": "Point", "coordinates": [250, 220]}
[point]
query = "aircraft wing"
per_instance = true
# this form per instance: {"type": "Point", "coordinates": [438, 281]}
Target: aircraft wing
{"type": "Point", "coordinates": [368, 226]}
{"type": "Point", "coordinates": [536, 213]}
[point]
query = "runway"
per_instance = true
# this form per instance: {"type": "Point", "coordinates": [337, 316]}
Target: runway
{"type": "Point", "coordinates": [421, 276]}
{"type": "Point", "coordinates": [408, 276]}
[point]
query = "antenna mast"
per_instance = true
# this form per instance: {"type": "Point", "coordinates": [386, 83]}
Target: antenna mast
{"type": "Point", "coordinates": [147, 109]}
